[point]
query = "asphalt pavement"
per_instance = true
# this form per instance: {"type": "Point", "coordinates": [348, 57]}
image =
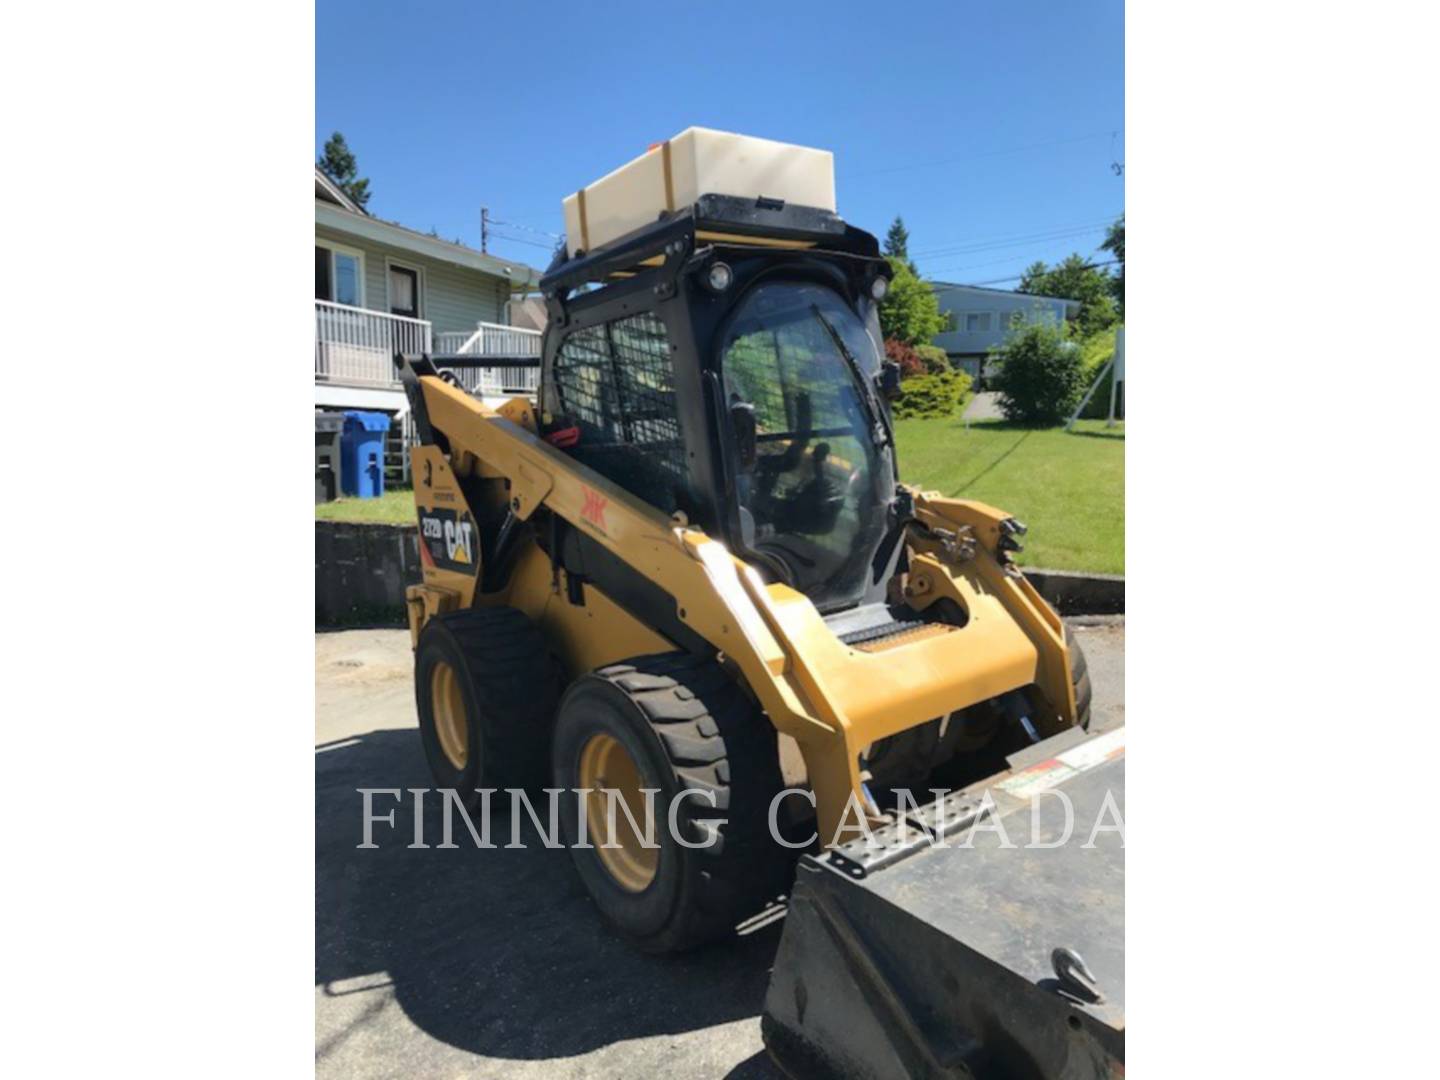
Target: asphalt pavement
{"type": "Point", "coordinates": [494, 963]}
{"type": "Point", "coordinates": [984, 406]}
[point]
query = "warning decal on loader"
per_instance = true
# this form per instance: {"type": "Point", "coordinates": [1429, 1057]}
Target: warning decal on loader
{"type": "Point", "coordinates": [593, 508]}
{"type": "Point", "coordinates": [448, 540]}
{"type": "Point", "coordinates": [1027, 783]}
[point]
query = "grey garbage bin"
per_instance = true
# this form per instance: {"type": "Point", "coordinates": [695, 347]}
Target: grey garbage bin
{"type": "Point", "coordinates": [328, 428]}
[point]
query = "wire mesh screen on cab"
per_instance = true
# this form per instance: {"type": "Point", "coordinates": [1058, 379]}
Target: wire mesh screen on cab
{"type": "Point", "coordinates": [616, 383]}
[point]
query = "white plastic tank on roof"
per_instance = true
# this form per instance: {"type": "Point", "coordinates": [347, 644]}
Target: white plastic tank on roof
{"type": "Point", "coordinates": [696, 162]}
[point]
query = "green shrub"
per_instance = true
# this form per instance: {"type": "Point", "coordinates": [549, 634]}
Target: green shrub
{"type": "Point", "coordinates": [937, 395]}
{"type": "Point", "coordinates": [1095, 352]}
{"type": "Point", "coordinates": [934, 358]}
{"type": "Point", "coordinates": [1038, 374]}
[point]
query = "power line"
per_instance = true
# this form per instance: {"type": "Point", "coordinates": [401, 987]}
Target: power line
{"type": "Point", "coordinates": [489, 232]}
{"type": "Point", "coordinates": [517, 219]}
{"type": "Point", "coordinates": [524, 228]}
{"type": "Point", "coordinates": [1015, 258]}
{"type": "Point", "coordinates": [1057, 233]}
{"type": "Point", "coordinates": [494, 235]}
{"type": "Point", "coordinates": [1000, 237]}
{"type": "Point", "coordinates": [990, 262]}
{"type": "Point", "coordinates": [1017, 277]}
{"type": "Point", "coordinates": [979, 266]}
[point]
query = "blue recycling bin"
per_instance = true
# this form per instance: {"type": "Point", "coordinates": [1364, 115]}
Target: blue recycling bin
{"type": "Point", "coordinates": [362, 453]}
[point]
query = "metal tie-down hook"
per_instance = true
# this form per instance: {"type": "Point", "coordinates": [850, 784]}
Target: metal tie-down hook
{"type": "Point", "coordinates": [1075, 976]}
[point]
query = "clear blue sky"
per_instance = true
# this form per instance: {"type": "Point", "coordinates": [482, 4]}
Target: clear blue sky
{"type": "Point", "coordinates": [983, 123]}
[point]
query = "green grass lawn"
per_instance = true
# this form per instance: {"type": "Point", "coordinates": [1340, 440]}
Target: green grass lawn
{"type": "Point", "coordinates": [395, 507]}
{"type": "Point", "coordinates": [1068, 487]}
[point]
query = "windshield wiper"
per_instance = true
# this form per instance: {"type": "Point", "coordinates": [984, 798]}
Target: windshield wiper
{"type": "Point", "coordinates": [880, 432]}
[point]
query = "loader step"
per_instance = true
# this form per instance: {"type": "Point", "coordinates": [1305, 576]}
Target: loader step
{"type": "Point", "coordinates": [872, 634]}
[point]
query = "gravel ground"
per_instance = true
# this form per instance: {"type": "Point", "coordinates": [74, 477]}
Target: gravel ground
{"type": "Point", "coordinates": [493, 963]}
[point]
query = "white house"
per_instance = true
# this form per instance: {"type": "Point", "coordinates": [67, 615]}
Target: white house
{"type": "Point", "coordinates": [382, 288]}
{"type": "Point", "coordinates": [982, 317]}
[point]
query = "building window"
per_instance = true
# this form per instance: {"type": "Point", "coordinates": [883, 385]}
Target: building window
{"type": "Point", "coordinates": [616, 383]}
{"type": "Point", "coordinates": [977, 322]}
{"type": "Point", "coordinates": [404, 286]}
{"type": "Point", "coordinates": [339, 275]}
{"type": "Point", "coordinates": [322, 273]}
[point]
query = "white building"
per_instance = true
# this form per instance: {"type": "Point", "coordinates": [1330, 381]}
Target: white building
{"type": "Point", "coordinates": [982, 317]}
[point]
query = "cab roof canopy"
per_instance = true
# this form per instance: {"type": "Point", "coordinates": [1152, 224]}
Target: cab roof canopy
{"type": "Point", "coordinates": [712, 219]}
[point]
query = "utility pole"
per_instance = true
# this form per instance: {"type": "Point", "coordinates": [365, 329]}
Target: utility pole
{"type": "Point", "coordinates": [484, 229]}
{"type": "Point", "coordinates": [1115, 367]}
{"type": "Point", "coordinates": [1118, 375]}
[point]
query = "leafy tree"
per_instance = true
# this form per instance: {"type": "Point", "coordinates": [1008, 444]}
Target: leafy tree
{"type": "Point", "coordinates": [910, 312]}
{"type": "Point", "coordinates": [897, 243]}
{"type": "Point", "coordinates": [1038, 372]}
{"type": "Point", "coordinates": [1115, 244]}
{"type": "Point", "coordinates": [1074, 279]}
{"type": "Point", "coordinates": [338, 163]}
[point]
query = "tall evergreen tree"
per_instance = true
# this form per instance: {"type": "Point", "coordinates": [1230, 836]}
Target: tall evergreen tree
{"type": "Point", "coordinates": [338, 163]}
{"type": "Point", "coordinates": [897, 243]}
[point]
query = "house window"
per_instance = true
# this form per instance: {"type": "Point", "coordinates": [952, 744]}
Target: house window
{"type": "Point", "coordinates": [339, 275]}
{"type": "Point", "coordinates": [347, 278]}
{"type": "Point", "coordinates": [404, 291]}
{"type": "Point", "coordinates": [977, 322]}
{"type": "Point", "coordinates": [322, 273]}
{"type": "Point", "coordinates": [616, 384]}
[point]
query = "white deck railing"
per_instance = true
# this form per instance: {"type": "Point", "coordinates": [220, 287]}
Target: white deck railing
{"type": "Point", "coordinates": [356, 345]}
{"type": "Point", "coordinates": [492, 339]}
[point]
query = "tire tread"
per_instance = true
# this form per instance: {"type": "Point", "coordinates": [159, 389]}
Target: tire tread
{"type": "Point", "coordinates": [517, 682]}
{"type": "Point", "coordinates": [718, 741]}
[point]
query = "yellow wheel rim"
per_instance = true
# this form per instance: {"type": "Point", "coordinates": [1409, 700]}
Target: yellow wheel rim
{"type": "Point", "coordinates": [447, 705]}
{"type": "Point", "coordinates": [606, 764]}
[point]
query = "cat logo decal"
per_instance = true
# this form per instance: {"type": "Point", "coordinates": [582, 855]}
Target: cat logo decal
{"type": "Point", "coordinates": [447, 541]}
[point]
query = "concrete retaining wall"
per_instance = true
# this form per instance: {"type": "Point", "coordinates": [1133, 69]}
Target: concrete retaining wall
{"type": "Point", "coordinates": [1080, 594]}
{"type": "Point", "coordinates": [361, 572]}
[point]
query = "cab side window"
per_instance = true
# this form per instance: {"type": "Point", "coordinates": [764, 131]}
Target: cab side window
{"type": "Point", "coordinates": [616, 383]}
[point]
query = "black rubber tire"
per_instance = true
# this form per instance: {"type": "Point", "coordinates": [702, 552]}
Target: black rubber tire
{"type": "Point", "coordinates": [1080, 677]}
{"type": "Point", "coordinates": [510, 684]}
{"type": "Point", "coordinates": [688, 727]}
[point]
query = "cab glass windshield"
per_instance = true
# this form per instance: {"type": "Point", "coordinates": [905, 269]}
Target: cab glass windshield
{"type": "Point", "coordinates": [812, 505]}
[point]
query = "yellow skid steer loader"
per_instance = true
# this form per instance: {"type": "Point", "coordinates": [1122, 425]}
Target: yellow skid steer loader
{"type": "Point", "coordinates": [687, 568]}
